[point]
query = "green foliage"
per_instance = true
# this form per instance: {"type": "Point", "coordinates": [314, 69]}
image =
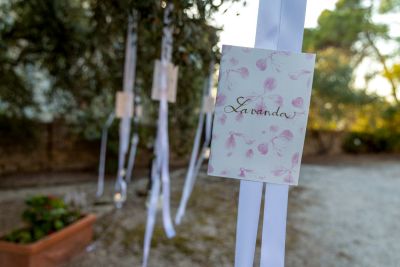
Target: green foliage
{"type": "Point", "coordinates": [381, 141]}
{"type": "Point", "coordinates": [64, 59]}
{"type": "Point", "coordinates": [389, 6]}
{"type": "Point", "coordinates": [343, 38]}
{"type": "Point", "coordinates": [44, 215]}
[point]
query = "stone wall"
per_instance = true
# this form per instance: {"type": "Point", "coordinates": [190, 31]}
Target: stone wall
{"type": "Point", "coordinates": [57, 149]}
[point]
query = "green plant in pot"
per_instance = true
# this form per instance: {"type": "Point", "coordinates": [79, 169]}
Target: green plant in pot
{"type": "Point", "coordinates": [44, 215]}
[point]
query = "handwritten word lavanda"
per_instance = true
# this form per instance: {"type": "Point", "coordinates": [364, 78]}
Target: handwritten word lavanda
{"type": "Point", "coordinates": [242, 107]}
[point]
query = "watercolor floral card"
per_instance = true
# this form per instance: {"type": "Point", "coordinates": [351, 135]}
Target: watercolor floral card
{"type": "Point", "coordinates": [261, 114]}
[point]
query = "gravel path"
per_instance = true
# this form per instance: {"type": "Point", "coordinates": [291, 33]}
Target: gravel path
{"type": "Point", "coordinates": [339, 216]}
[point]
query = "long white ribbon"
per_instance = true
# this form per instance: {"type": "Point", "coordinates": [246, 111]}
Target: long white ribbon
{"type": "Point", "coordinates": [125, 123]}
{"type": "Point", "coordinates": [152, 212]}
{"type": "Point", "coordinates": [196, 160]}
{"type": "Point", "coordinates": [280, 25]}
{"type": "Point", "coordinates": [132, 155]}
{"type": "Point", "coordinates": [160, 167]}
{"type": "Point", "coordinates": [247, 223]}
{"type": "Point", "coordinates": [103, 151]}
{"type": "Point", "coordinates": [188, 180]}
{"type": "Point", "coordinates": [276, 196]}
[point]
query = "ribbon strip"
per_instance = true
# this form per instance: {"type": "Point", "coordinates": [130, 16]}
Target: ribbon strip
{"type": "Point", "coordinates": [196, 160]}
{"type": "Point", "coordinates": [125, 123]}
{"type": "Point", "coordinates": [103, 151]}
{"type": "Point", "coordinates": [280, 25]}
{"type": "Point", "coordinates": [276, 196]}
{"type": "Point", "coordinates": [160, 167]}
{"type": "Point", "coordinates": [132, 156]}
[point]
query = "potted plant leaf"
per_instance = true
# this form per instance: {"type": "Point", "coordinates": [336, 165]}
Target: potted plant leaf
{"type": "Point", "coordinates": [53, 233]}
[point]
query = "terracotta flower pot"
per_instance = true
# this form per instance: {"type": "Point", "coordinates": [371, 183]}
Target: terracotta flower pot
{"type": "Point", "coordinates": [52, 250]}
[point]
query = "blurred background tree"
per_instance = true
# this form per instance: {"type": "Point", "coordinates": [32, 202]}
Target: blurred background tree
{"type": "Point", "coordinates": [344, 39]}
{"type": "Point", "coordinates": [63, 60]}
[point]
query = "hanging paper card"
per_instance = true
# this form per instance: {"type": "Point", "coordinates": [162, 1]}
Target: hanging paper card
{"type": "Point", "coordinates": [172, 80]}
{"type": "Point", "coordinates": [124, 104]}
{"type": "Point", "coordinates": [208, 104]}
{"type": "Point", "coordinates": [261, 114]}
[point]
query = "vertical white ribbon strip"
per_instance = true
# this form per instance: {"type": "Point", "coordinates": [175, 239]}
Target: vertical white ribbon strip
{"type": "Point", "coordinates": [132, 155]}
{"type": "Point", "coordinates": [268, 24]}
{"type": "Point", "coordinates": [125, 123]}
{"type": "Point", "coordinates": [290, 38]}
{"type": "Point", "coordinates": [274, 226]}
{"type": "Point", "coordinates": [152, 211]}
{"type": "Point", "coordinates": [189, 175]}
{"type": "Point", "coordinates": [166, 57]}
{"type": "Point", "coordinates": [160, 167]}
{"type": "Point", "coordinates": [103, 151]}
{"type": "Point", "coordinates": [196, 160]}
{"type": "Point", "coordinates": [247, 222]}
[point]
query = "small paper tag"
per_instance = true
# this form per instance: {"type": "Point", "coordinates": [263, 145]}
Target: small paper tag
{"type": "Point", "coordinates": [139, 110]}
{"type": "Point", "coordinates": [124, 104]}
{"type": "Point", "coordinates": [172, 80]}
{"type": "Point", "coordinates": [208, 104]}
{"type": "Point", "coordinates": [261, 114]}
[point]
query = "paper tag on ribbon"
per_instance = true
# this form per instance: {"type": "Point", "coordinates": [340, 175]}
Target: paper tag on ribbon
{"type": "Point", "coordinates": [261, 114]}
{"type": "Point", "coordinates": [172, 80]}
{"type": "Point", "coordinates": [124, 104]}
{"type": "Point", "coordinates": [208, 104]}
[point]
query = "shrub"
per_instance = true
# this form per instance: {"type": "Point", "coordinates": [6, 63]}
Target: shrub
{"type": "Point", "coordinates": [43, 216]}
{"type": "Point", "coordinates": [377, 142]}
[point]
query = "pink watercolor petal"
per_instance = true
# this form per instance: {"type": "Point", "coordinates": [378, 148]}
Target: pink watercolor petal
{"type": "Point", "coordinates": [249, 153]}
{"type": "Point", "coordinates": [244, 72]}
{"type": "Point", "coordinates": [273, 128]}
{"type": "Point", "coordinates": [298, 102]}
{"type": "Point", "coordinates": [261, 64]}
{"type": "Point", "coordinates": [286, 134]}
{"type": "Point", "coordinates": [295, 159]}
{"type": "Point", "coordinates": [239, 117]}
{"type": "Point", "coordinates": [233, 61]}
{"type": "Point", "coordinates": [222, 119]}
{"type": "Point", "coordinates": [260, 106]}
{"type": "Point", "coordinates": [288, 178]}
{"type": "Point", "coordinates": [263, 148]}
{"type": "Point", "coordinates": [220, 101]}
{"type": "Point", "coordinates": [269, 84]}
{"type": "Point", "coordinates": [294, 76]}
{"type": "Point", "coordinates": [230, 142]}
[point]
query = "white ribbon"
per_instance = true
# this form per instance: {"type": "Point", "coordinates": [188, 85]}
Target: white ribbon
{"type": "Point", "coordinates": [132, 156]}
{"type": "Point", "coordinates": [152, 211]}
{"type": "Point", "coordinates": [196, 160]}
{"type": "Point", "coordinates": [125, 123]}
{"type": "Point", "coordinates": [160, 166]}
{"type": "Point", "coordinates": [280, 26]}
{"type": "Point", "coordinates": [103, 151]}
{"type": "Point", "coordinates": [134, 140]}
